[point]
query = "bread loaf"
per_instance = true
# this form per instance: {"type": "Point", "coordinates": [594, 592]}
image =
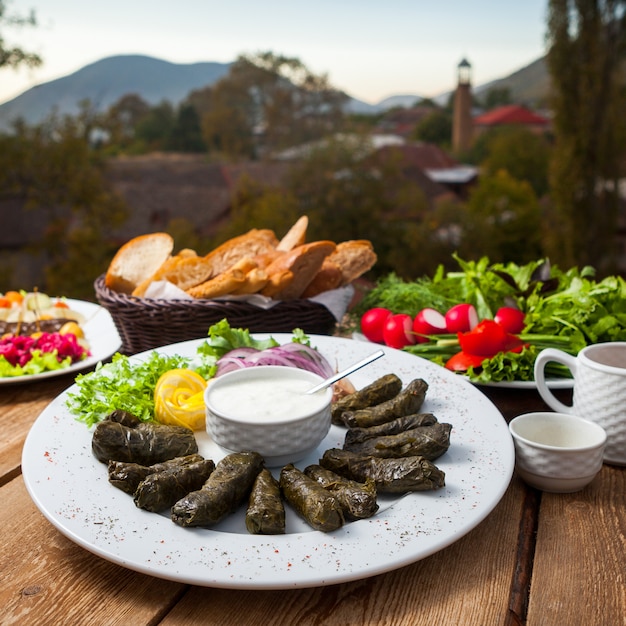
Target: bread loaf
{"type": "Point", "coordinates": [183, 270]}
{"type": "Point", "coordinates": [304, 262]}
{"type": "Point", "coordinates": [295, 236]}
{"type": "Point", "coordinates": [253, 243]}
{"type": "Point", "coordinates": [329, 277]}
{"type": "Point", "coordinates": [137, 260]}
{"type": "Point", "coordinates": [354, 258]}
{"type": "Point", "coordinates": [255, 262]}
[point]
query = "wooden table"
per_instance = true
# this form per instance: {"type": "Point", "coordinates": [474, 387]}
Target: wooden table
{"type": "Point", "coordinates": [539, 559]}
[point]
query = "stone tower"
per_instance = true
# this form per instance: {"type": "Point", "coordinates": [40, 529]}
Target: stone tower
{"type": "Point", "coordinates": [462, 129]}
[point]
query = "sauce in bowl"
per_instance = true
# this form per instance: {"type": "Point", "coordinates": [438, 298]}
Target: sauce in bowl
{"type": "Point", "coordinates": [266, 409]}
{"type": "Point", "coordinates": [266, 398]}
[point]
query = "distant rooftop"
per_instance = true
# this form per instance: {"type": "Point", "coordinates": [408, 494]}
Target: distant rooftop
{"type": "Point", "coordinates": [510, 114]}
{"type": "Point", "coordinates": [459, 175]}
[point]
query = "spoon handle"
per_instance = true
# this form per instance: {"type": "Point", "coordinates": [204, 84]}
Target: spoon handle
{"type": "Point", "coordinates": [353, 368]}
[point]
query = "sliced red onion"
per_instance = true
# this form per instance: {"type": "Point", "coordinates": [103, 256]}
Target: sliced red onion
{"type": "Point", "coordinates": [289, 355]}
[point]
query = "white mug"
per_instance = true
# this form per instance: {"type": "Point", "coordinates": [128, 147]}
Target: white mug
{"type": "Point", "coordinates": [599, 372]}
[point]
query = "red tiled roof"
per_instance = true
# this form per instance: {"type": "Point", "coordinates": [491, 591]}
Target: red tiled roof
{"type": "Point", "coordinates": [510, 114]}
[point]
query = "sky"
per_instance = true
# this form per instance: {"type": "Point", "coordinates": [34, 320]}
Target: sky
{"type": "Point", "coordinates": [371, 49]}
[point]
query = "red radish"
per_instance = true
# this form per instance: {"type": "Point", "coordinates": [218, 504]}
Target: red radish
{"type": "Point", "coordinates": [372, 323]}
{"type": "Point", "coordinates": [511, 319]}
{"type": "Point", "coordinates": [428, 322]}
{"type": "Point", "coordinates": [461, 318]}
{"type": "Point", "coordinates": [397, 331]}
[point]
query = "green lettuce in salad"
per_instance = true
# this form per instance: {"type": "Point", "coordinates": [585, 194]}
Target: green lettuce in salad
{"type": "Point", "coordinates": [128, 383]}
{"type": "Point", "coordinates": [564, 309]}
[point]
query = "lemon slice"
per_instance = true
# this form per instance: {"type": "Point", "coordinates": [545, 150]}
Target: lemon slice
{"type": "Point", "coordinates": [179, 399]}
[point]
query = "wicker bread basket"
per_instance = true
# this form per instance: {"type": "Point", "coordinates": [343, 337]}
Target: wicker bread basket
{"type": "Point", "coordinates": [145, 323]}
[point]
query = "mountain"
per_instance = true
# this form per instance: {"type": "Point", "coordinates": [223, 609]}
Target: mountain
{"type": "Point", "coordinates": [406, 101]}
{"type": "Point", "coordinates": [530, 84]}
{"type": "Point", "coordinates": [106, 81]}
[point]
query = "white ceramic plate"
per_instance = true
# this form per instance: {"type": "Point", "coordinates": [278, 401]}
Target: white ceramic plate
{"type": "Point", "coordinates": [71, 489]}
{"type": "Point", "coordinates": [552, 383]}
{"type": "Point", "coordinates": [100, 332]}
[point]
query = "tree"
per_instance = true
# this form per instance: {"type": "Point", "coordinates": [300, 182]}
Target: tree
{"type": "Point", "coordinates": [522, 153]}
{"type": "Point", "coordinates": [435, 128]}
{"type": "Point", "coordinates": [268, 102]}
{"type": "Point", "coordinates": [503, 221]}
{"type": "Point", "coordinates": [187, 133]}
{"type": "Point", "coordinates": [15, 56]}
{"type": "Point", "coordinates": [257, 205]}
{"type": "Point", "coordinates": [347, 194]}
{"type": "Point", "coordinates": [122, 118]}
{"type": "Point", "coordinates": [496, 97]}
{"type": "Point", "coordinates": [227, 123]}
{"type": "Point", "coordinates": [51, 172]}
{"type": "Point", "coordinates": [586, 49]}
{"type": "Point", "coordinates": [154, 130]}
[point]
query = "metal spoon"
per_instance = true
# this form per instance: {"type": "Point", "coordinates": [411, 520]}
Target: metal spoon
{"type": "Point", "coordinates": [353, 368]}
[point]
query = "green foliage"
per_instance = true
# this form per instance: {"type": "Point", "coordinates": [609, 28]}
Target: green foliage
{"type": "Point", "coordinates": [156, 128]}
{"type": "Point", "coordinates": [256, 205]}
{"type": "Point", "coordinates": [131, 125]}
{"type": "Point", "coordinates": [227, 121]}
{"type": "Point", "coordinates": [496, 97]}
{"type": "Point", "coordinates": [347, 194]}
{"type": "Point", "coordinates": [267, 102]}
{"type": "Point", "coordinates": [121, 120]}
{"type": "Point", "coordinates": [186, 235]}
{"type": "Point", "coordinates": [51, 172]}
{"type": "Point", "coordinates": [186, 134]}
{"type": "Point", "coordinates": [503, 220]}
{"type": "Point", "coordinates": [435, 128]}
{"type": "Point", "coordinates": [16, 56]}
{"type": "Point", "coordinates": [587, 45]}
{"type": "Point", "coordinates": [522, 153]}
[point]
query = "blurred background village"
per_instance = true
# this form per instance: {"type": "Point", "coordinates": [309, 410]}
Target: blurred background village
{"type": "Point", "coordinates": [532, 166]}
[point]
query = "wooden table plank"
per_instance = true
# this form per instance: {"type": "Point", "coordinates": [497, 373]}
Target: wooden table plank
{"type": "Point", "coordinates": [579, 574]}
{"type": "Point", "coordinates": [467, 583]}
{"type": "Point", "coordinates": [48, 579]}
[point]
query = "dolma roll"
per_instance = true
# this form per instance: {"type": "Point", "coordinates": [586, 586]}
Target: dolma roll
{"type": "Point", "coordinates": [145, 443]}
{"type": "Point", "coordinates": [127, 476]}
{"type": "Point", "coordinates": [429, 442]}
{"type": "Point", "coordinates": [119, 416]}
{"type": "Point", "coordinates": [409, 473]}
{"type": "Point", "coordinates": [398, 425]}
{"type": "Point", "coordinates": [358, 500]}
{"type": "Point", "coordinates": [225, 489]}
{"type": "Point", "coordinates": [161, 490]}
{"type": "Point", "coordinates": [318, 507]}
{"type": "Point", "coordinates": [266, 512]}
{"type": "Point", "coordinates": [408, 401]}
{"type": "Point", "coordinates": [382, 389]}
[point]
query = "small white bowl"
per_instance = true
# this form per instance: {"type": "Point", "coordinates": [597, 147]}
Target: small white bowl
{"type": "Point", "coordinates": [264, 409]}
{"type": "Point", "coordinates": [557, 452]}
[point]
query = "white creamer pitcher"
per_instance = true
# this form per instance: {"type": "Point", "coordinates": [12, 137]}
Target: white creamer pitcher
{"type": "Point", "coordinates": [599, 372]}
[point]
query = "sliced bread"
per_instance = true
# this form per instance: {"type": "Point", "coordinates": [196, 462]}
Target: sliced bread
{"type": "Point", "coordinates": [137, 260]}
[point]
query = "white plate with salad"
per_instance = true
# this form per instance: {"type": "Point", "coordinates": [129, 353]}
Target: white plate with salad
{"type": "Point", "coordinates": [71, 489]}
{"type": "Point", "coordinates": [537, 304]}
{"type": "Point", "coordinates": [100, 334]}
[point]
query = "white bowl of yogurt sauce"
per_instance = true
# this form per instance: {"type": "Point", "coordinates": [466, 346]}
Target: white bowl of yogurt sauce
{"type": "Point", "coordinates": [266, 409]}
